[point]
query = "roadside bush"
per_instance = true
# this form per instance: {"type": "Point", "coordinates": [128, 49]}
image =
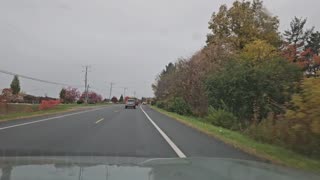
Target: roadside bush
{"type": "Point", "coordinates": [299, 128]}
{"type": "Point", "coordinates": [160, 104]}
{"type": "Point", "coordinates": [267, 131]}
{"type": "Point", "coordinates": [180, 106]}
{"type": "Point", "coordinates": [222, 118]}
{"type": "Point", "coordinates": [80, 101]}
{"type": "Point", "coordinates": [251, 91]}
{"type": "Point", "coordinates": [287, 133]}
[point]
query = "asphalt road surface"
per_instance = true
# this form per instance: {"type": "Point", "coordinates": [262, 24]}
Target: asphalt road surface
{"type": "Point", "coordinates": [110, 131]}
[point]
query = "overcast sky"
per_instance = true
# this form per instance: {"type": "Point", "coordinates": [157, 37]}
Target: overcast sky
{"type": "Point", "coordinates": [127, 42]}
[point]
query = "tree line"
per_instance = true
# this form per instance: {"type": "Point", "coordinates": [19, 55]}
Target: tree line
{"type": "Point", "coordinates": [251, 78]}
{"type": "Point", "coordinates": [72, 95]}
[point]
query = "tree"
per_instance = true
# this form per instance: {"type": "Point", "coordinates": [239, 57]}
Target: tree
{"type": "Point", "coordinates": [303, 119]}
{"type": "Point", "coordinates": [93, 97]}
{"type": "Point", "coordinates": [243, 23]}
{"type": "Point", "coordinates": [164, 82]}
{"type": "Point", "coordinates": [15, 85]}
{"type": "Point", "coordinates": [62, 94]}
{"type": "Point", "coordinates": [296, 38]}
{"type": "Point", "coordinates": [258, 51]}
{"type": "Point", "coordinates": [71, 95]}
{"type": "Point", "coordinates": [121, 99]}
{"type": "Point", "coordinates": [6, 94]}
{"type": "Point", "coordinates": [114, 99]}
{"type": "Point", "coordinates": [310, 62]}
{"type": "Point", "coordinates": [314, 42]}
{"type": "Point", "coordinates": [296, 34]}
{"type": "Point", "coordinates": [185, 78]}
{"type": "Point", "coordinates": [251, 91]}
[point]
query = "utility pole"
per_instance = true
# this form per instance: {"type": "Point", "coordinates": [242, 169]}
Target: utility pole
{"type": "Point", "coordinates": [87, 96]}
{"type": "Point", "coordinates": [86, 83]}
{"type": "Point", "coordinates": [124, 92]}
{"type": "Point", "coordinates": [111, 84]}
{"type": "Point", "coordinates": [134, 93]}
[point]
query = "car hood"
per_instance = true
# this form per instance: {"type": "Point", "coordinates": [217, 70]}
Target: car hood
{"type": "Point", "coordinates": [94, 168]}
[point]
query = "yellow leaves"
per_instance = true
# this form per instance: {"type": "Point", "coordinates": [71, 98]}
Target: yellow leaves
{"type": "Point", "coordinates": [307, 107]}
{"type": "Point", "coordinates": [297, 127]}
{"type": "Point", "coordinates": [315, 126]}
{"type": "Point", "coordinates": [296, 100]}
{"type": "Point", "coordinates": [242, 23]}
{"type": "Point", "coordinates": [300, 115]}
{"type": "Point", "coordinates": [259, 50]}
{"type": "Point", "coordinates": [290, 114]}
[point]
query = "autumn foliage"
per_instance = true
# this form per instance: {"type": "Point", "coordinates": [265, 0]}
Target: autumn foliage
{"type": "Point", "coordinates": [93, 97]}
{"type": "Point", "coordinates": [250, 78]}
{"type": "Point", "coordinates": [48, 104]}
{"type": "Point", "coordinates": [69, 95]}
{"type": "Point", "coordinates": [299, 127]}
{"type": "Point", "coordinates": [114, 99]}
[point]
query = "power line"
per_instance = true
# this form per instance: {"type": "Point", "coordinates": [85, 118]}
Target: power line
{"type": "Point", "coordinates": [34, 79]}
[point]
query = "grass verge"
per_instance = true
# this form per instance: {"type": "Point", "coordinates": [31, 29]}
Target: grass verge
{"type": "Point", "coordinates": [58, 109]}
{"type": "Point", "coordinates": [272, 153]}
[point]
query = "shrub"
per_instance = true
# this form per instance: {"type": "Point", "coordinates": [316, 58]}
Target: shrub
{"type": "Point", "coordinates": [287, 133]}
{"type": "Point", "coordinates": [180, 106]}
{"type": "Point", "coordinates": [266, 131]}
{"type": "Point", "coordinates": [160, 104]}
{"type": "Point", "coordinates": [299, 128]}
{"type": "Point", "coordinates": [80, 101]}
{"type": "Point", "coordinates": [223, 118]}
{"type": "Point", "coordinates": [252, 91]}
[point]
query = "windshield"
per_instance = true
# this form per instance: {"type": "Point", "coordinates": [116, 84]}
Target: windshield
{"type": "Point", "coordinates": [219, 80]}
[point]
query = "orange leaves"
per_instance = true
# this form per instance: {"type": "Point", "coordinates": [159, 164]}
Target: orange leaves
{"type": "Point", "coordinates": [303, 58]}
{"type": "Point", "coordinates": [48, 104]}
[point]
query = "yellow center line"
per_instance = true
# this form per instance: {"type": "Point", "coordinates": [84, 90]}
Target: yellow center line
{"type": "Point", "coordinates": [99, 120]}
{"type": "Point", "coordinates": [117, 111]}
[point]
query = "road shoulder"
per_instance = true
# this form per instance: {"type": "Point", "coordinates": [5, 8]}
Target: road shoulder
{"type": "Point", "coordinates": [271, 153]}
{"type": "Point", "coordinates": [45, 113]}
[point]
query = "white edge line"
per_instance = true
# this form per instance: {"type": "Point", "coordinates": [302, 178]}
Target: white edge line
{"type": "Point", "coordinates": [99, 120]}
{"type": "Point", "coordinates": [169, 141]}
{"type": "Point", "coordinates": [47, 119]}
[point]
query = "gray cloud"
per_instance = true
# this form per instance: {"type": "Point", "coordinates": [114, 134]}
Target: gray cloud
{"type": "Point", "coordinates": [126, 42]}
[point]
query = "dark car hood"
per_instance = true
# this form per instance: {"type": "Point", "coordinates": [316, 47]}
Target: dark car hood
{"type": "Point", "coordinates": [94, 168]}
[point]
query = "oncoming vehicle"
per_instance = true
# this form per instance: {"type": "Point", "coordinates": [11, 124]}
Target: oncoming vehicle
{"type": "Point", "coordinates": [131, 103]}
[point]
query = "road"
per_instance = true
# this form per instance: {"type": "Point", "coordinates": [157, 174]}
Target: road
{"type": "Point", "coordinates": [110, 131]}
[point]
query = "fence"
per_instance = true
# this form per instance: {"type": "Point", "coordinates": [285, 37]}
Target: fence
{"type": "Point", "coordinates": [7, 108]}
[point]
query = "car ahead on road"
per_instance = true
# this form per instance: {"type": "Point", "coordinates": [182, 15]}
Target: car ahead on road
{"type": "Point", "coordinates": [131, 103]}
{"type": "Point", "coordinates": [97, 167]}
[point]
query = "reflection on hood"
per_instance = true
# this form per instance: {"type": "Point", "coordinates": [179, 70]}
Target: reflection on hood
{"type": "Point", "coordinates": [94, 168]}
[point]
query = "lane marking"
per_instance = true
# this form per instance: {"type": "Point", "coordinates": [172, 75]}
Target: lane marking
{"type": "Point", "coordinates": [169, 141]}
{"type": "Point", "coordinates": [117, 111]}
{"type": "Point", "coordinates": [99, 120]}
{"type": "Point", "coordinates": [47, 119]}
